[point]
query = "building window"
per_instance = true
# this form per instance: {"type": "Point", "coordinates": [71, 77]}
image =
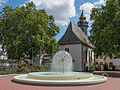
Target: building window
{"type": "Point", "coordinates": [67, 49]}
{"type": "Point", "coordinates": [110, 64]}
{"type": "Point", "coordinates": [96, 62]}
{"type": "Point", "coordinates": [86, 56]}
{"type": "Point", "coordinates": [101, 63]}
{"type": "Point", "coordinates": [101, 57]}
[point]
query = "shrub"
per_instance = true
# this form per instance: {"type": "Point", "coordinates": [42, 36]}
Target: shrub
{"type": "Point", "coordinates": [21, 67]}
{"type": "Point", "coordinates": [25, 68]}
{"type": "Point", "coordinates": [92, 68]}
{"type": "Point", "coordinates": [2, 68]}
{"type": "Point", "coordinates": [36, 68]}
{"type": "Point", "coordinates": [113, 68]}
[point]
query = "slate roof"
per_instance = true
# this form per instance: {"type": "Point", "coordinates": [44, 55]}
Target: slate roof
{"type": "Point", "coordinates": [74, 35]}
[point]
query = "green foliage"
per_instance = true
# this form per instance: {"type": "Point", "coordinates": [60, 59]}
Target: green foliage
{"type": "Point", "coordinates": [46, 66]}
{"type": "Point", "coordinates": [24, 29]}
{"type": "Point", "coordinates": [25, 68]}
{"type": "Point", "coordinates": [6, 70]}
{"type": "Point", "coordinates": [113, 68]}
{"type": "Point", "coordinates": [105, 32]}
{"type": "Point", "coordinates": [36, 68]}
{"type": "Point", "coordinates": [21, 67]}
{"type": "Point", "coordinates": [92, 68]}
{"type": "Point", "coordinates": [117, 56]}
{"type": "Point", "coordinates": [2, 68]}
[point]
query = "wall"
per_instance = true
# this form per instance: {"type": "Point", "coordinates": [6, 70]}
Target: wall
{"type": "Point", "coordinates": [75, 51]}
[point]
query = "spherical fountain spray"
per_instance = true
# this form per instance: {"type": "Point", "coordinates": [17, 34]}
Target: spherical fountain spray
{"type": "Point", "coordinates": [62, 62]}
{"type": "Point", "coordinates": [61, 74]}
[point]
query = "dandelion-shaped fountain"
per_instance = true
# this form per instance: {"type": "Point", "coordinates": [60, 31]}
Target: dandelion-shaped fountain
{"type": "Point", "coordinates": [62, 62]}
{"type": "Point", "coordinates": [61, 74]}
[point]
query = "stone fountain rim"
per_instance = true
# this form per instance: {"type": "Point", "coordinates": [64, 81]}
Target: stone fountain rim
{"type": "Point", "coordinates": [17, 79]}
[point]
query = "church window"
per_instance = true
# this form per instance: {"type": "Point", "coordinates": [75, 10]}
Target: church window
{"type": "Point", "coordinates": [73, 60]}
{"type": "Point", "coordinates": [89, 54]}
{"type": "Point", "coordinates": [86, 55]}
{"type": "Point", "coordinates": [67, 49]}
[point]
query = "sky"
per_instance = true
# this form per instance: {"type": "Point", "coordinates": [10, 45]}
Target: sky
{"type": "Point", "coordinates": [64, 11]}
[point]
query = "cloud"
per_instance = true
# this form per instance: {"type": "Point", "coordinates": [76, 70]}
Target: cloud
{"type": "Point", "coordinates": [100, 2]}
{"type": "Point", "coordinates": [62, 10]}
{"type": "Point", "coordinates": [3, 2]}
{"type": "Point", "coordinates": [87, 7]}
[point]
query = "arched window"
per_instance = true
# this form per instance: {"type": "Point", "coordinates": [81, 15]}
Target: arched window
{"type": "Point", "coordinates": [67, 49]}
{"type": "Point", "coordinates": [73, 60]}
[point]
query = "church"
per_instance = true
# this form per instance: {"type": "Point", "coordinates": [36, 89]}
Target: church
{"type": "Point", "coordinates": [75, 41]}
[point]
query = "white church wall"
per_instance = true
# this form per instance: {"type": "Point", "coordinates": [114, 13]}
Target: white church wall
{"type": "Point", "coordinates": [75, 51]}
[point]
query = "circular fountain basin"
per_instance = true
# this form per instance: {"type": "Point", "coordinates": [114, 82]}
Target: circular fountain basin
{"type": "Point", "coordinates": [59, 75]}
{"type": "Point", "coordinates": [54, 78]}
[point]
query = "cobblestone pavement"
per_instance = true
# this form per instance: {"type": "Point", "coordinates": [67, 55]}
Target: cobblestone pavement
{"type": "Point", "coordinates": [111, 84]}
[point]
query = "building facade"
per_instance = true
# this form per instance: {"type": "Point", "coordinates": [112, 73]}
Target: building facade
{"type": "Point", "coordinates": [101, 61]}
{"type": "Point", "coordinates": [75, 41]}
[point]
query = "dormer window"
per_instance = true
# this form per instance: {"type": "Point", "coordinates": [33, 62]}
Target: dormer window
{"type": "Point", "coordinates": [67, 49]}
{"type": "Point", "coordinates": [67, 38]}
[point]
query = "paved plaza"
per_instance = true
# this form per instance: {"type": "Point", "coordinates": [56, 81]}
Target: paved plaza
{"type": "Point", "coordinates": [113, 83]}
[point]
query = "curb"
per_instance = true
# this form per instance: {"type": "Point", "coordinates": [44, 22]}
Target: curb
{"type": "Point", "coordinates": [9, 75]}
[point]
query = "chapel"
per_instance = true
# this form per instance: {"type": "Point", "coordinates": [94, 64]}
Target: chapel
{"type": "Point", "coordinates": [75, 41]}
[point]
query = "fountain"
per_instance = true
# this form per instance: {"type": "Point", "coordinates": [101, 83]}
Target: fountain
{"type": "Point", "coordinates": [62, 62]}
{"type": "Point", "coordinates": [61, 74]}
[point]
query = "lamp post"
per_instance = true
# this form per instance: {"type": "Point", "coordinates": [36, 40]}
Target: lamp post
{"type": "Point", "coordinates": [32, 55]}
{"type": "Point", "coordinates": [63, 65]}
{"type": "Point", "coordinates": [40, 56]}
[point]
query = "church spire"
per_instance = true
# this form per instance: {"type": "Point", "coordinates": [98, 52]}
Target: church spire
{"type": "Point", "coordinates": [82, 23]}
{"type": "Point", "coordinates": [82, 16]}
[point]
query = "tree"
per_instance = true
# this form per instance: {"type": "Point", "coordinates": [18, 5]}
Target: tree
{"type": "Point", "coordinates": [26, 29]}
{"type": "Point", "coordinates": [105, 32]}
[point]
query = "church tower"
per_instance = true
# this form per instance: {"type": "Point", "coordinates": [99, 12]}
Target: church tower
{"type": "Point", "coordinates": [83, 24]}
